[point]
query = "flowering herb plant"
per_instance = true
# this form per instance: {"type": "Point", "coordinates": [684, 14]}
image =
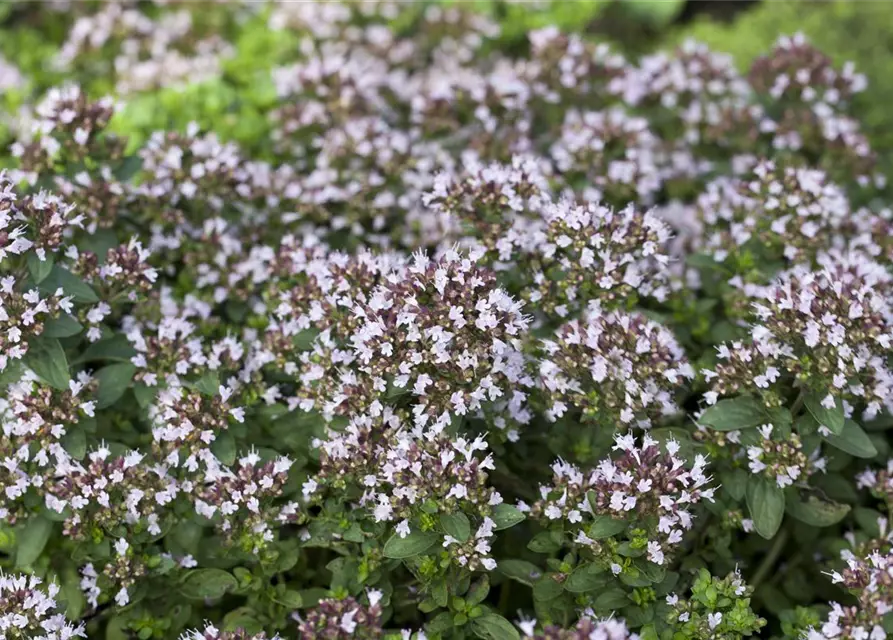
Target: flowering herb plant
{"type": "Point", "coordinates": [469, 343]}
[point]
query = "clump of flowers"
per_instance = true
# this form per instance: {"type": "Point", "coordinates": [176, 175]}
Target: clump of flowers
{"type": "Point", "coordinates": [585, 629]}
{"type": "Point", "coordinates": [649, 489]}
{"type": "Point", "coordinates": [613, 365]}
{"type": "Point", "coordinates": [592, 252]}
{"type": "Point", "coordinates": [782, 460]}
{"type": "Point", "coordinates": [826, 330]}
{"type": "Point", "coordinates": [402, 473]}
{"type": "Point", "coordinates": [878, 481]}
{"type": "Point", "coordinates": [28, 610]}
{"type": "Point", "coordinates": [210, 632]}
{"type": "Point", "coordinates": [345, 619]}
{"type": "Point", "coordinates": [870, 579]}
{"type": "Point", "coordinates": [789, 212]}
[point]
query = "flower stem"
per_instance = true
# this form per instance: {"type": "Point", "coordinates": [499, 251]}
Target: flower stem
{"type": "Point", "coordinates": [769, 561]}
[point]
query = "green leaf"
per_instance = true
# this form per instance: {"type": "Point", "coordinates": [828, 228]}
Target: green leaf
{"type": "Point", "coordinates": [116, 629]}
{"type": "Point", "coordinates": [303, 341]}
{"type": "Point", "coordinates": [224, 448]}
{"type": "Point", "coordinates": [667, 584]}
{"type": "Point", "coordinates": [456, 525]}
{"type": "Point", "coordinates": [547, 589]}
{"type": "Point", "coordinates": [71, 285]}
{"type": "Point", "coordinates": [660, 13]}
{"type": "Point", "coordinates": [242, 619]}
{"type": "Point", "coordinates": [521, 571]}
{"type": "Point", "coordinates": [208, 583]}
{"type": "Point", "coordinates": [545, 542]}
{"type": "Point", "coordinates": [64, 326]}
{"type": "Point", "coordinates": [129, 167]}
{"type": "Point", "coordinates": [734, 413]}
{"type": "Point", "coordinates": [39, 269]}
{"type": "Point", "coordinates": [704, 261]}
{"type": "Point", "coordinates": [505, 516]}
{"type": "Point", "coordinates": [869, 520]}
{"type": "Point", "coordinates": [735, 483]}
{"type": "Point", "coordinates": [47, 359]}
{"type": "Point", "coordinates": [441, 623]}
{"type": "Point", "coordinates": [853, 440]}
{"type": "Point", "coordinates": [72, 594]}
{"type": "Point", "coordinates": [831, 418]}
{"type": "Point", "coordinates": [816, 512]}
{"type": "Point", "coordinates": [208, 384]}
{"type": "Point", "coordinates": [114, 380]}
{"type": "Point", "coordinates": [12, 373]}
{"type": "Point", "coordinates": [416, 543]}
{"type": "Point", "coordinates": [585, 578]}
{"type": "Point", "coordinates": [494, 627]}
{"type": "Point", "coordinates": [115, 348]}
{"type": "Point", "coordinates": [32, 539]}
{"type": "Point", "coordinates": [478, 591]}
{"type": "Point", "coordinates": [766, 502]}
{"type": "Point", "coordinates": [75, 442]}
{"type": "Point", "coordinates": [605, 527]}
{"type": "Point", "coordinates": [144, 394]}
{"type": "Point", "coordinates": [611, 600]}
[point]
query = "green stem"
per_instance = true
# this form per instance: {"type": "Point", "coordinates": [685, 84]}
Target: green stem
{"type": "Point", "coordinates": [769, 561]}
{"type": "Point", "coordinates": [504, 595]}
{"type": "Point", "coordinates": [801, 397]}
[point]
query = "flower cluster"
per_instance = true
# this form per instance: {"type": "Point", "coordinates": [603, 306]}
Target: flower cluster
{"type": "Point", "coordinates": [406, 324]}
{"type": "Point", "coordinates": [586, 629]}
{"type": "Point", "coordinates": [593, 252]}
{"type": "Point", "coordinates": [782, 460]}
{"type": "Point", "coordinates": [343, 619]}
{"type": "Point", "coordinates": [210, 632]}
{"type": "Point", "coordinates": [870, 579]}
{"type": "Point", "coordinates": [613, 365]}
{"type": "Point", "coordinates": [643, 487]}
{"type": "Point", "coordinates": [827, 330]}
{"type": "Point", "coordinates": [27, 610]}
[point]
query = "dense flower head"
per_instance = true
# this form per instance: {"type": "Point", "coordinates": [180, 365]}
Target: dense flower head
{"type": "Point", "coordinates": [401, 472]}
{"type": "Point", "coordinates": [613, 365]}
{"type": "Point", "coordinates": [492, 203]}
{"type": "Point", "coordinates": [643, 485]}
{"type": "Point", "coordinates": [593, 252]}
{"type": "Point", "coordinates": [343, 619]}
{"type": "Point", "coordinates": [870, 579]}
{"type": "Point", "coordinates": [146, 53]}
{"type": "Point", "coordinates": [67, 127]}
{"type": "Point", "coordinates": [829, 329]}
{"type": "Point", "coordinates": [241, 499]}
{"type": "Point", "coordinates": [210, 632]}
{"type": "Point", "coordinates": [29, 610]}
{"type": "Point", "coordinates": [442, 331]}
{"type": "Point", "coordinates": [789, 212]}
{"type": "Point", "coordinates": [565, 64]}
{"type": "Point", "coordinates": [614, 154]}
{"type": "Point", "coordinates": [782, 461]}
{"type": "Point", "coordinates": [586, 628]}
{"type": "Point", "coordinates": [23, 315]}
{"type": "Point", "coordinates": [798, 71]}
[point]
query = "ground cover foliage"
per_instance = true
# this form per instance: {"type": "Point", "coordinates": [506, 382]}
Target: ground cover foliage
{"type": "Point", "coordinates": [324, 320]}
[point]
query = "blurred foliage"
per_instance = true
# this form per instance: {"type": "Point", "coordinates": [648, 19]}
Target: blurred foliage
{"type": "Point", "coordinates": [856, 31]}
{"type": "Point", "coordinates": [235, 103]}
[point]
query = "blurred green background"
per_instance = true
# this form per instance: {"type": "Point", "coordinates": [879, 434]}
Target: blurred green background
{"type": "Point", "coordinates": [233, 105]}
